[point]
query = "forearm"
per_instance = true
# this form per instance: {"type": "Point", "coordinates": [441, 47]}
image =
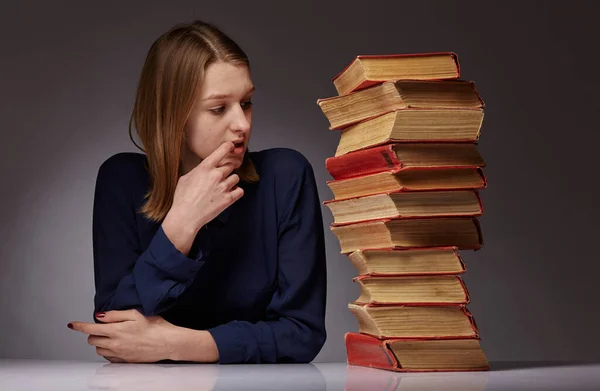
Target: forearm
{"type": "Point", "coordinates": [285, 340]}
{"type": "Point", "coordinates": [158, 276]}
{"type": "Point", "coordinates": [185, 344]}
{"type": "Point", "coordinates": [180, 231]}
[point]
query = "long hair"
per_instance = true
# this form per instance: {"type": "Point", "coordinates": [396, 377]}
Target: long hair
{"type": "Point", "coordinates": [173, 71]}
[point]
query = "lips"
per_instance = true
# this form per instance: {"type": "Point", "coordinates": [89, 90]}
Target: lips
{"type": "Point", "coordinates": [239, 146]}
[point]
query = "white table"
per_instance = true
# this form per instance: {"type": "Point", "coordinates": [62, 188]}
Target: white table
{"type": "Point", "coordinates": [30, 375]}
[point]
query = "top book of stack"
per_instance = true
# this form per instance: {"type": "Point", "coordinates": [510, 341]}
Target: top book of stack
{"type": "Point", "coordinates": [367, 70]}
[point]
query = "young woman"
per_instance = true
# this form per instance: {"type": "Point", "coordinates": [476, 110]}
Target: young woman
{"type": "Point", "coordinates": [204, 251]}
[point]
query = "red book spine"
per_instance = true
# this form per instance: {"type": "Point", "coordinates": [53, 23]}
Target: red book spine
{"type": "Point", "coordinates": [363, 162]}
{"type": "Point", "coordinates": [353, 175]}
{"type": "Point", "coordinates": [367, 351]}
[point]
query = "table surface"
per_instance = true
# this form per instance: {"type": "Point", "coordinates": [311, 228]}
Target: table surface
{"type": "Point", "coordinates": [26, 375]}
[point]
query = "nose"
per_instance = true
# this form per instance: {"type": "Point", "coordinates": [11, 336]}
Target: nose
{"type": "Point", "coordinates": [241, 120]}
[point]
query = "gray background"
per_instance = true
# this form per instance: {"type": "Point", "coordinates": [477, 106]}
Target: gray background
{"type": "Point", "coordinates": [68, 74]}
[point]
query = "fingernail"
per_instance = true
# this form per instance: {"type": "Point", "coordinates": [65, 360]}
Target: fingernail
{"type": "Point", "coordinates": [70, 325]}
{"type": "Point", "coordinates": [100, 315]}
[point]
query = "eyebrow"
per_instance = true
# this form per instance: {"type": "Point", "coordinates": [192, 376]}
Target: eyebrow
{"type": "Point", "coordinates": [224, 96]}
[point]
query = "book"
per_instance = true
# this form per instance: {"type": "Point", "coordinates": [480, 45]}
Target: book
{"type": "Point", "coordinates": [396, 156]}
{"type": "Point", "coordinates": [407, 355]}
{"type": "Point", "coordinates": [461, 232]}
{"type": "Point", "coordinates": [405, 204]}
{"type": "Point", "coordinates": [345, 110]}
{"type": "Point", "coordinates": [415, 321]}
{"type": "Point", "coordinates": [406, 177]}
{"type": "Point", "coordinates": [410, 179]}
{"type": "Point", "coordinates": [408, 262]}
{"type": "Point", "coordinates": [367, 70]}
{"type": "Point", "coordinates": [430, 290]}
{"type": "Point", "coordinates": [412, 125]}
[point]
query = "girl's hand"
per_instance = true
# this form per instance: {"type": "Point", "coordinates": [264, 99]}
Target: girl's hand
{"type": "Point", "coordinates": [128, 336]}
{"type": "Point", "coordinates": [208, 189]}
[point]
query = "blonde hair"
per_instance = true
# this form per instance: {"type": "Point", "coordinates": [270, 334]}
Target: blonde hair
{"type": "Point", "coordinates": [172, 73]}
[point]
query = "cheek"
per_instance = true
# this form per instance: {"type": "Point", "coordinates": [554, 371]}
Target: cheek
{"type": "Point", "coordinates": [202, 146]}
{"type": "Point", "coordinates": [202, 140]}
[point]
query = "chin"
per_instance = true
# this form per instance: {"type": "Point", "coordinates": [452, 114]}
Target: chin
{"type": "Point", "coordinates": [236, 162]}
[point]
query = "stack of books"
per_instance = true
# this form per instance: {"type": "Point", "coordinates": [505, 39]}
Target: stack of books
{"type": "Point", "coordinates": [406, 176]}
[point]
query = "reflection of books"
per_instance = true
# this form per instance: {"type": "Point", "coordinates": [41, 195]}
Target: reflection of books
{"type": "Point", "coordinates": [368, 379]}
{"type": "Point", "coordinates": [414, 355]}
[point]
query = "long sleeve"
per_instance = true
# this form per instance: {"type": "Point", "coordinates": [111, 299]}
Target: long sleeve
{"type": "Point", "coordinates": [294, 329]}
{"type": "Point", "coordinates": [126, 276]}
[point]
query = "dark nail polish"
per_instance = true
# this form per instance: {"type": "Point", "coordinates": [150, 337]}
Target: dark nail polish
{"type": "Point", "coordinates": [70, 325]}
{"type": "Point", "coordinates": [100, 315]}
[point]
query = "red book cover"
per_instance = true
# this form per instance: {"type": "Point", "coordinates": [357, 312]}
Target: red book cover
{"type": "Point", "coordinates": [369, 161]}
{"type": "Point", "coordinates": [363, 162]}
{"type": "Point", "coordinates": [367, 351]}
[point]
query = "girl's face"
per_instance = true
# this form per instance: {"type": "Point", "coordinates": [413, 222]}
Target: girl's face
{"type": "Point", "coordinates": [222, 112]}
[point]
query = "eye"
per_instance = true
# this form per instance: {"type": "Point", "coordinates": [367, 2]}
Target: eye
{"type": "Point", "coordinates": [246, 105]}
{"type": "Point", "coordinates": [217, 110]}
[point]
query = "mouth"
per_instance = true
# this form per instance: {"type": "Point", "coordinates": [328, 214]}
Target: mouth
{"type": "Point", "coordinates": [238, 147]}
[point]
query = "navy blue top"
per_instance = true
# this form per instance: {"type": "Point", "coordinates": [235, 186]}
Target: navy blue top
{"type": "Point", "coordinates": [255, 277]}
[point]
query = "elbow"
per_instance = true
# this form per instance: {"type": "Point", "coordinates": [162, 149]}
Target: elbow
{"type": "Point", "coordinates": [310, 346]}
{"type": "Point", "coordinates": [317, 342]}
